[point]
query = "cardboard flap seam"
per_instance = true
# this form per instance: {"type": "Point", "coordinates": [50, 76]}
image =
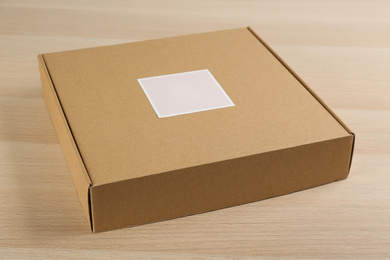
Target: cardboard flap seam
{"type": "Point", "coordinates": [299, 79]}
{"type": "Point", "coordinates": [80, 161]}
{"type": "Point", "coordinates": [90, 207]}
{"type": "Point", "coordinates": [352, 150]}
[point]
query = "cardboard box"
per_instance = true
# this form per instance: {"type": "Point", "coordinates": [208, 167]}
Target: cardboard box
{"type": "Point", "coordinates": [136, 160]}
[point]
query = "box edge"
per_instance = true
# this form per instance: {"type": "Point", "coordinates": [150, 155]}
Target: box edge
{"type": "Point", "coordinates": [66, 139]}
{"type": "Point", "coordinates": [332, 113]}
{"type": "Point", "coordinates": [339, 177]}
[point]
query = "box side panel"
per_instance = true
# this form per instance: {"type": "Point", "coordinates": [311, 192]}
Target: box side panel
{"type": "Point", "coordinates": [219, 185]}
{"type": "Point", "coordinates": [300, 80]}
{"type": "Point", "coordinates": [76, 166]}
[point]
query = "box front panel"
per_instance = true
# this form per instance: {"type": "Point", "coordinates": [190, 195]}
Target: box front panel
{"type": "Point", "coordinates": [219, 185]}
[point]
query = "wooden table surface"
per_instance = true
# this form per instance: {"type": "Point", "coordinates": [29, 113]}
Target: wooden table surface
{"type": "Point", "coordinates": [340, 48]}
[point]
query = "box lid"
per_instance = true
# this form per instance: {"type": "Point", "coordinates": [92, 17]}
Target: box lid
{"type": "Point", "coordinates": [119, 135]}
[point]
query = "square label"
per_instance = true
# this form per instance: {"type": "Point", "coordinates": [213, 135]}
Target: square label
{"type": "Point", "coordinates": [184, 93]}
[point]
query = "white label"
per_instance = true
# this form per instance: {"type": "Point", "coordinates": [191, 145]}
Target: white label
{"type": "Point", "coordinates": [184, 93]}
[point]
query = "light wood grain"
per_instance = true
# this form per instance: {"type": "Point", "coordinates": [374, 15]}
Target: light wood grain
{"type": "Point", "coordinates": [340, 48]}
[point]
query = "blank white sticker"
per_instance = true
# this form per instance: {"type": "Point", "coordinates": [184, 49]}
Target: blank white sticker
{"type": "Point", "coordinates": [184, 93]}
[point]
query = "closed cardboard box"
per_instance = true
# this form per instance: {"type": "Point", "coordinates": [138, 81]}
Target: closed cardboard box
{"type": "Point", "coordinates": [167, 128]}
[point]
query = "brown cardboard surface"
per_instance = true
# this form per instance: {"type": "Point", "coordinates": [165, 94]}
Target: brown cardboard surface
{"type": "Point", "coordinates": [76, 165]}
{"type": "Point", "coordinates": [108, 111]}
{"type": "Point", "coordinates": [218, 185]}
{"type": "Point", "coordinates": [278, 138]}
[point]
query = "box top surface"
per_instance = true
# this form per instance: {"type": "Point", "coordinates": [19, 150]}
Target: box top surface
{"type": "Point", "coordinates": [119, 135]}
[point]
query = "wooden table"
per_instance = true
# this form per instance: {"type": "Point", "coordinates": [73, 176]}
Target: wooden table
{"type": "Point", "coordinates": [340, 48]}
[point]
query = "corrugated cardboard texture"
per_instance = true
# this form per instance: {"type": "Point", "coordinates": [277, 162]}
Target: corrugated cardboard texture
{"type": "Point", "coordinates": [278, 138]}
